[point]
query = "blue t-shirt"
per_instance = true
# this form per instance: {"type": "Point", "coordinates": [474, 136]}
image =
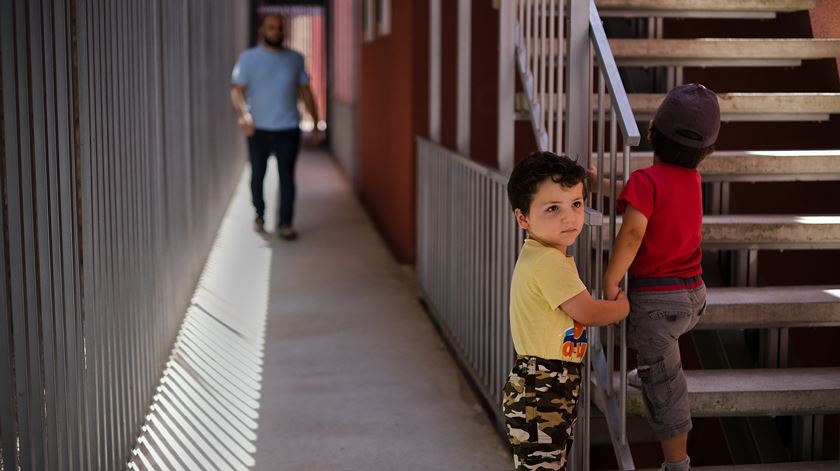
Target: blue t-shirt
{"type": "Point", "coordinates": [272, 80]}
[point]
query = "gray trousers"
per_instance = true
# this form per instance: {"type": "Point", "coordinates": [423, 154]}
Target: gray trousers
{"type": "Point", "coordinates": [656, 322]}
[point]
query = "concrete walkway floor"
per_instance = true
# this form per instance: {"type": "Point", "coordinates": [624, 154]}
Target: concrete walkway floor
{"type": "Point", "coordinates": [355, 376]}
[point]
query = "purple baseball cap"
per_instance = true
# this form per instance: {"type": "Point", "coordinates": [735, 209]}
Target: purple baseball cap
{"type": "Point", "coordinates": [689, 115]}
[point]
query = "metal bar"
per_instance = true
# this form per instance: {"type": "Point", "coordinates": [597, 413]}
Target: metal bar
{"type": "Point", "coordinates": [86, 148]}
{"type": "Point", "coordinates": [434, 69]}
{"type": "Point", "coordinates": [145, 220]}
{"type": "Point", "coordinates": [65, 310]}
{"type": "Point", "coordinates": [43, 86]}
{"type": "Point", "coordinates": [613, 187]}
{"type": "Point", "coordinates": [542, 52]}
{"type": "Point", "coordinates": [27, 319]}
{"type": "Point", "coordinates": [623, 340]}
{"type": "Point", "coordinates": [464, 75]}
{"type": "Point", "coordinates": [50, 294]}
{"type": "Point", "coordinates": [507, 86]}
{"type": "Point", "coordinates": [8, 406]}
{"type": "Point", "coordinates": [553, 48]}
{"type": "Point", "coordinates": [125, 239]}
{"type": "Point", "coordinates": [598, 202]}
{"type": "Point", "coordinates": [578, 83]}
{"type": "Point", "coordinates": [561, 109]}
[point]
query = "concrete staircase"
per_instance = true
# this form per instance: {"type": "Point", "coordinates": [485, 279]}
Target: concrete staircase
{"type": "Point", "coordinates": [759, 165]}
{"type": "Point", "coordinates": [733, 387]}
{"type": "Point", "coordinates": [757, 9]}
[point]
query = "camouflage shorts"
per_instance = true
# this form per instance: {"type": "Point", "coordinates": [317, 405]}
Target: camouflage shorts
{"type": "Point", "coordinates": [540, 408]}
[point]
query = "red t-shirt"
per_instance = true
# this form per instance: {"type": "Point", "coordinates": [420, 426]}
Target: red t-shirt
{"type": "Point", "coordinates": [671, 199]}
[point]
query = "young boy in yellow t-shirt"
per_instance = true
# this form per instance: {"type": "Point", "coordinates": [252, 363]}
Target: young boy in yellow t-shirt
{"type": "Point", "coordinates": [549, 311]}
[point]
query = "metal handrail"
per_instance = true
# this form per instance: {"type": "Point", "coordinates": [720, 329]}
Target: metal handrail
{"type": "Point", "coordinates": [608, 68]}
{"type": "Point", "coordinates": [621, 115]}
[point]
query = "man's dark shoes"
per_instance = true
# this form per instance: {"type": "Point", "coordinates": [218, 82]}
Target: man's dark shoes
{"type": "Point", "coordinates": [287, 233]}
{"type": "Point", "coordinates": [259, 224]}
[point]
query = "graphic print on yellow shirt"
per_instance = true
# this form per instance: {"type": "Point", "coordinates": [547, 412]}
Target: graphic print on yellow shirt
{"type": "Point", "coordinates": [544, 278]}
{"type": "Point", "coordinates": [575, 341]}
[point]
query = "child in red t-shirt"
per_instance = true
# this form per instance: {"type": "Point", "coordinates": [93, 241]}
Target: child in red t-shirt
{"type": "Point", "coordinates": [659, 242]}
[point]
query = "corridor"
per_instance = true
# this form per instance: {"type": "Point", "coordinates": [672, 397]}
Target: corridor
{"type": "Point", "coordinates": [354, 374]}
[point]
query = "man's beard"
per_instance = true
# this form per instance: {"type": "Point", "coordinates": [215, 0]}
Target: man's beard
{"type": "Point", "coordinates": [275, 44]}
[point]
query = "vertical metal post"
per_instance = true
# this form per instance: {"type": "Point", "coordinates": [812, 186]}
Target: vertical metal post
{"type": "Point", "coordinates": [623, 353]}
{"type": "Point", "coordinates": [613, 187]}
{"type": "Point", "coordinates": [464, 76]}
{"type": "Point", "coordinates": [435, 69]}
{"type": "Point", "coordinates": [8, 296]}
{"type": "Point", "coordinates": [560, 97]}
{"type": "Point", "coordinates": [555, 66]}
{"type": "Point", "coordinates": [507, 81]}
{"type": "Point", "coordinates": [578, 83]}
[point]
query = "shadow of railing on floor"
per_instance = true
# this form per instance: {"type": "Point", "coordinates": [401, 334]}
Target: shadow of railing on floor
{"type": "Point", "coordinates": [206, 408]}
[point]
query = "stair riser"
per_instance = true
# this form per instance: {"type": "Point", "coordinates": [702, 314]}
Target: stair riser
{"type": "Point", "coordinates": [756, 403]}
{"type": "Point", "coordinates": [764, 236]}
{"type": "Point", "coordinates": [765, 316]}
{"type": "Point", "coordinates": [747, 168]}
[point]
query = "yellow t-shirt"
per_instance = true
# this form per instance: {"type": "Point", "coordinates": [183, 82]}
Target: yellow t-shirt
{"type": "Point", "coordinates": [543, 279]}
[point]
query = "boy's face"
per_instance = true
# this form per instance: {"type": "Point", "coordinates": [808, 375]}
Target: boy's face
{"type": "Point", "coordinates": [555, 217]}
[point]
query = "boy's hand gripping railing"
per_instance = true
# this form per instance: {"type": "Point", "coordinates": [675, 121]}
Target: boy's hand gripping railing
{"type": "Point", "coordinates": [614, 408]}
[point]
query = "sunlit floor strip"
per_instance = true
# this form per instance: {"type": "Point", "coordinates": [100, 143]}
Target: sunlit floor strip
{"type": "Point", "coordinates": [206, 408]}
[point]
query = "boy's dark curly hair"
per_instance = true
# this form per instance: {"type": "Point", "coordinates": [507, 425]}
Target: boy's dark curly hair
{"type": "Point", "coordinates": [536, 168]}
{"type": "Point", "coordinates": [674, 153]}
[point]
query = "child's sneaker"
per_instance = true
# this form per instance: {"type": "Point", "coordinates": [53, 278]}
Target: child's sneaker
{"type": "Point", "coordinates": [684, 465]}
{"type": "Point", "coordinates": [259, 225]}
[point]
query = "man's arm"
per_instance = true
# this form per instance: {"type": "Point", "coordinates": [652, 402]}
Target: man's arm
{"type": "Point", "coordinates": [308, 98]}
{"type": "Point", "coordinates": [627, 243]}
{"type": "Point", "coordinates": [240, 105]}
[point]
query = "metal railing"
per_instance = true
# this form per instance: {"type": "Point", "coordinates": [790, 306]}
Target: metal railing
{"type": "Point", "coordinates": [464, 265]}
{"type": "Point", "coordinates": [620, 116]}
{"type": "Point", "coordinates": [467, 242]}
{"type": "Point", "coordinates": [119, 155]}
{"type": "Point", "coordinates": [542, 38]}
{"type": "Point", "coordinates": [539, 57]}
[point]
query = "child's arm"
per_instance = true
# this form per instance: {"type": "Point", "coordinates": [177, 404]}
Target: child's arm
{"type": "Point", "coordinates": [601, 186]}
{"type": "Point", "coordinates": [588, 311]}
{"type": "Point", "coordinates": [626, 246]}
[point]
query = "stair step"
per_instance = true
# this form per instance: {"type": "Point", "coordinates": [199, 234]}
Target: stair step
{"type": "Point", "coordinates": [755, 392]}
{"type": "Point", "coordinates": [792, 466]}
{"type": "Point", "coordinates": [771, 232]}
{"type": "Point", "coordinates": [777, 306]}
{"type": "Point", "coordinates": [765, 232]}
{"type": "Point", "coordinates": [753, 106]}
{"type": "Point", "coordinates": [753, 165]}
{"type": "Point", "coordinates": [733, 106]}
{"type": "Point", "coordinates": [701, 8]}
{"type": "Point", "coordinates": [722, 52]}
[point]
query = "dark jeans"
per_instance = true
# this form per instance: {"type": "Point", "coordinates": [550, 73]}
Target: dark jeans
{"type": "Point", "coordinates": [285, 146]}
